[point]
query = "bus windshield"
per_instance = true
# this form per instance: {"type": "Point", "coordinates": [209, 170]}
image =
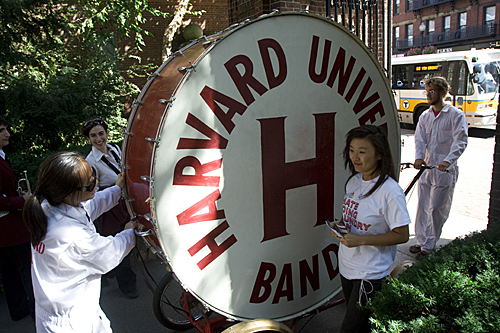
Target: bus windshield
{"type": "Point", "coordinates": [487, 77]}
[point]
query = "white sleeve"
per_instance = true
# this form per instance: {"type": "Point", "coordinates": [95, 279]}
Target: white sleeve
{"type": "Point", "coordinates": [420, 139]}
{"type": "Point", "coordinates": [396, 211]}
{"type": "Point", "coordinates": [100, 254]}
{"type": "Point", "coordinates": [102, 202]}
{"type": "Point", "coordinates": [460, 138]}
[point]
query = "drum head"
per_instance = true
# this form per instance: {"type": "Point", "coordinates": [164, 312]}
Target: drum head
{"type": "Point", "coordinates": [249, 165]}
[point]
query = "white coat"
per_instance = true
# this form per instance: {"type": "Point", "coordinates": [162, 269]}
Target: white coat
{"type": "Point", "coordinates": [437, 139]}
{"type": "Point", "coordinates": [69, 262]}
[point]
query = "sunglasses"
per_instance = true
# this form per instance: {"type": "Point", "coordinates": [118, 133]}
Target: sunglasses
{"type": "Point", "coordinates": [89, 188]}
{"type": "Point", "coordinates": [95, 121]}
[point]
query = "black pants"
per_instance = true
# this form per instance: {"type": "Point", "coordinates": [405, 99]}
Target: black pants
{"type": "Point", "coordinates": [124, 274]}
{"type": "Point", "coordinates": [356, 318]}
{"type": "Point", "coordinates": [15, 266]}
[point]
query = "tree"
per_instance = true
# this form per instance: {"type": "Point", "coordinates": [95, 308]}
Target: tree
{"type": "Point", "coordinates": [59, 67]}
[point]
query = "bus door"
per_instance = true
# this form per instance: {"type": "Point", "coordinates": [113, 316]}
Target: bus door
{"type": "Point", "coordinates": [457, 75]}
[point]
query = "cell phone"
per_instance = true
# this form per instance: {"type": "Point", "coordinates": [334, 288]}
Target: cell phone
{"type": "Point", "coordinates": [333, 226]}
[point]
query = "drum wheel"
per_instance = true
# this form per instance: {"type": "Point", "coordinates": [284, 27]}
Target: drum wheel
{"type": "Point", "coordinates": [167, 305]}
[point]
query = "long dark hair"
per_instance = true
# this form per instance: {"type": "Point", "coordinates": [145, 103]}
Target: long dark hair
{"type": "Point", "coordinates": [378, 138]}
{"type": "Point", "coordinates": [60, 175]}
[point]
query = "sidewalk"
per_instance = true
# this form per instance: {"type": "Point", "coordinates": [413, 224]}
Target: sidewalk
{"type": "Point", "coordinates": [456, 226]}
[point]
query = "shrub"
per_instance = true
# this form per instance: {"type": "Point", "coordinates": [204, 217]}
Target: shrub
{"type": "Point", "coordinates": [414, 51]}
{"type": "Point", "coordinates": [454, 290]}
{"type": "Point", "coordinates": [429, 50]}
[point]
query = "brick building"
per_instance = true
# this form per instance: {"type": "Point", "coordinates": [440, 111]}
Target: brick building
{"type": "Point", "coordinates": [220, 14]}
{"type": "Point", "coordinates": [214, 19]}
{"type": "Point", "coordinates": [455, 25]}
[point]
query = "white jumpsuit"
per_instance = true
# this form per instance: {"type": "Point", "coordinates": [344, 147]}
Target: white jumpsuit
{"type": "Point", "coordinates": [69, 262]}
{"type": "Point", "coordinates": [437, 139]}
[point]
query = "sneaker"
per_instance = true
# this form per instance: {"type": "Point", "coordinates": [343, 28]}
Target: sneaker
{"type": "Point", "coordinates": [415, 248]}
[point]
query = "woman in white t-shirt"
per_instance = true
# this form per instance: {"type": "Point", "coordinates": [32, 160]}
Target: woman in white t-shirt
{"type": "Point", "coordinates": [376, 218]}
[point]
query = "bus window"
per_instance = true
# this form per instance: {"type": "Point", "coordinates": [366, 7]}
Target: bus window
{"type": "Point", "coordinates": [470, 86]}
{"type": "Point", "coordinates": [423, 72]}
{"type": "Point", "coordinates": [400, 76]}
{"type": "Point", "coordinates": [488, 78]}
{"type": "Point", "coordinates": [462, 78]}
{"type": "Point", "coordinates": [449, 75]}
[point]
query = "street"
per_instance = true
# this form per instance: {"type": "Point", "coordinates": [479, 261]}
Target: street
{"type": "Point", "coordinates": [469, 213]}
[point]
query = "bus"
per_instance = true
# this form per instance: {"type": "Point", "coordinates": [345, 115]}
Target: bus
{"type": "Point", "coordinates": [473, 77]}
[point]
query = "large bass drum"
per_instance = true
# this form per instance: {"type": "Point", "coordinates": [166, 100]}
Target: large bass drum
{"type": "Point", "coordinates": [233, 156]}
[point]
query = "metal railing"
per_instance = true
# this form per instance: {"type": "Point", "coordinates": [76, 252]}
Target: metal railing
{"type": "Point", "coordinates": [450, 36]}
{"type": "Point", "coordinates": [421, 4]}
{"type": "Point", "coordinates": [369, 20]}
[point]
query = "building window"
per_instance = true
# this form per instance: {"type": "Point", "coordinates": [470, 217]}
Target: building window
{"type": "Point", "coordinates": [396, 37]}
{"type": "Point", "coordinates": [430, 30]}
{"type": "Point", "coordinates": [490, 16]}
{"type": "Point", "coordinates": [446, 26]}
{"type": "Point", "coordinates": [409, 5]}
{"type": "Point", "coordinates": [409, 34]}
{"type": "Point", "coordinates": [396, 7]}
{"type": "Point", "coordinates": [463, 20]}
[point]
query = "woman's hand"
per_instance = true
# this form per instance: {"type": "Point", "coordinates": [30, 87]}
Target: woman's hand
{"type": "Point", "coordinates": [396, 236]}
{"type": "Point", "coordinates": [349, 239]}
{"type": "Point", "coordinates": [131, 225]}
{"type": "Point", "coordinates": [352, 240]}
{"type": "Point", "coordinates": [120, 181]}
{"type": "Point", "coordinates": [25, 196]}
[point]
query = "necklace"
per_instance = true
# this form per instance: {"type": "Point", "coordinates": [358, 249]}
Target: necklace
{"type": "Point", "coordinates": [364, 189]}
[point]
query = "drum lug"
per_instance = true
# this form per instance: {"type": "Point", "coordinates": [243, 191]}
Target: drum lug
{"type": "Point", "coordinates": [153, 75]}
{"type": "Point", "coordinates": [147, 179]}
{"type": "Point", "coordinates": [188, 68]}
{"type": "Point", "coordinates": [167, 101]}
{"type": "Point", "coordinates": [176, 53]}
{"type": "Point", "coordinates": [157, 141]}
{"type": "Point", "coordinates": [150, 219]}
{"type": "Point", "coordinates": [137, 102]}
{"type": "Point", "coordinates": [126, 133]}
{"type": "Point", "coordinates": [207, 44]}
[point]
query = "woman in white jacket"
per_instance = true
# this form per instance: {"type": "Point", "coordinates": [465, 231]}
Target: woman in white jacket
{"type": "Point", "coordinates": [68, 255]}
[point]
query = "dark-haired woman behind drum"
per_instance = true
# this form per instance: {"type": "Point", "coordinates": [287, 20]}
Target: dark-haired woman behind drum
{"type": "Point", "coordinates": [376, 218]}
{"type": "Point", "coordinates": [106, 158]}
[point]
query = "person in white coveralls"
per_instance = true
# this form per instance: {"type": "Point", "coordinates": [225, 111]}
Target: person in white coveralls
{"type": "Point", "coordinates": [375, 215]}
{"type": "Point", "coordinates": [68, 255]}
{"type": "Point", "coordinates": [440, 139]}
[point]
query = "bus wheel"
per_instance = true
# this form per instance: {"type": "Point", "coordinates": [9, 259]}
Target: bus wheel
{"type": "Point", "coordinates": [416, 115]}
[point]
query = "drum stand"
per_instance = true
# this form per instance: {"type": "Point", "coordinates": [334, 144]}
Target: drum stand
{"type": "Point", "coordinates": [206, 325]}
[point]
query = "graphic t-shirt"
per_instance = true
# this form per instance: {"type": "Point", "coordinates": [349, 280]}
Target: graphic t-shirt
{"type": "Point", "coordinates": [381, 212]}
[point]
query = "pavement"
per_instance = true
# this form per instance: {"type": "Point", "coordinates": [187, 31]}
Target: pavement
{"type": "Point", "coordinates": [136, 315]}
